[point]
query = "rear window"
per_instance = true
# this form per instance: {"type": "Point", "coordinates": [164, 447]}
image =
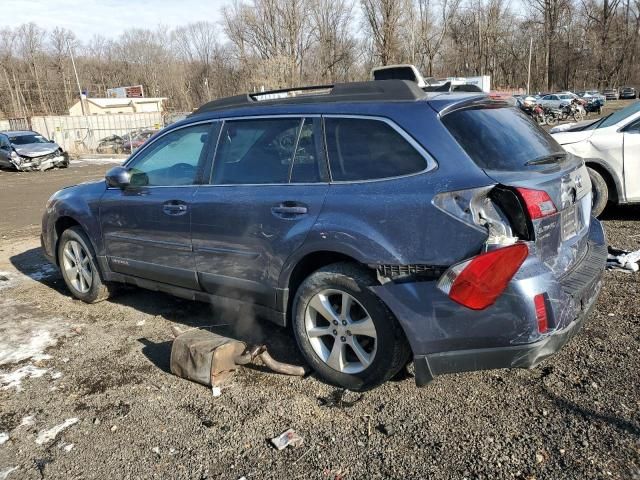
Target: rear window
{"type": "Point", "coordinates": [363, 149]}
{"type": "Point", "coordinates": [500, 138]}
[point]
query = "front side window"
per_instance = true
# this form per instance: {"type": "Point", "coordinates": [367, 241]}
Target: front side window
{"type": "Point", "coordinates": [173, 159]}
{"type": "Point", "coordinates": [368, 149]}
{"type": "Point", "coordinates": [4, 142]}
{"type": "Point", "coordinates": [266, 151]}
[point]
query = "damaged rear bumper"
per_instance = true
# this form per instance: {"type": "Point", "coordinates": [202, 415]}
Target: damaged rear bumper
{"type": "Point", "coordinates": [516, 356]}
{"type": "Point", "coordinates": [446, 337]}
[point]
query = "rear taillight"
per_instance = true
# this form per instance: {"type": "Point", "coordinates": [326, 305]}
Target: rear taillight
{"type": "Point", "coordinates": [538, 203]}
{"type": "Point", "coordinates": [478, 282]}
{"type": "Point", "coordinates": [541, 313]}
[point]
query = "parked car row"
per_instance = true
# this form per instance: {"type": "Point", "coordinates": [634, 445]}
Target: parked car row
{"type": "Point", "coordinates": [127, 143]}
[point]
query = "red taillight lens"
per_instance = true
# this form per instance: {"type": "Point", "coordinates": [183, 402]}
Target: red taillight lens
{"type": "Point", "coordinates": [478, 282]}
{"type": "Point", "coordinates": [538, 203]}
{"type": "Point", "coordinates": [541, 313]}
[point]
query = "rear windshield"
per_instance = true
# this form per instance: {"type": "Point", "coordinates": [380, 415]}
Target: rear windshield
{"type": "Point", "coordinates": [500, 138]}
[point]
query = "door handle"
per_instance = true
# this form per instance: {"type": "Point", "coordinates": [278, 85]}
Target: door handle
{"type": "Point", "coordinates": [174, 208]}
{"type": "Point", "coordinates": [289, 210]}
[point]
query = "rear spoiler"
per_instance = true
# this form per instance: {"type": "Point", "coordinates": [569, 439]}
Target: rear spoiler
{"type": "Point", "coordinates": [477, 102]}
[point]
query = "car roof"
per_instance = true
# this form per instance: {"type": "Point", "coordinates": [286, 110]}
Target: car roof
{"type": "Point", "coordinates": [17, 133]}
{"type": "Point", "coordinates": [372, 97]}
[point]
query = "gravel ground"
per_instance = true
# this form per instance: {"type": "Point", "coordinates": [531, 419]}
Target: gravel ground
{"type": "Point", "coordinates": [100, 373]}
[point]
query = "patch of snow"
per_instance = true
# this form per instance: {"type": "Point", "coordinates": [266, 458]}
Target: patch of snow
{"type": "Point", "coordinates": [14, 379]}
{"type": "Point", "coordinates": [4, 436]}
{"type": "Point", "coordinates": [67, 447]}
{"type": "Point", "coordinates": [140, 323]}
{"type": "Point", "coordinates": [32, 347]}
{"type": "Point", "coordinates": [7, 280]}
{"type": "Point", "coordinates": [49, 435]}
{"type": "Point", "coordinates": [83, 162]}
{"type": "Point", "coordinates": [5, 473]}
{"type": "Point", "coordinates": [46, 270]}
{"type": "Point", "coordinates": [56, 375]}
{"type": "Point", "coordinates": [27, 421]}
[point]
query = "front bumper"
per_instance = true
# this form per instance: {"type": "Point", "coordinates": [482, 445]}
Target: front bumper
{"type": "Point", "coordinates": [447, 338]}
{"type": "Point", "coordinates": [45, 162]}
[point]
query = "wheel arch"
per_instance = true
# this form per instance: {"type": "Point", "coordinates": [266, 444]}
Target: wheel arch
{"type": "Point", "coordinates": [613, 182]}
{"type": "Point", "coordinates": [303, 266]}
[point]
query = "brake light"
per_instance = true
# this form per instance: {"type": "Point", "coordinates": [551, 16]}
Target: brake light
{"type": "Point", "coordinates": [541, 313]}
{"type": "Point", "coordinates": [538, 202]}
{"type": "Point", "coordinates": [478, 282]}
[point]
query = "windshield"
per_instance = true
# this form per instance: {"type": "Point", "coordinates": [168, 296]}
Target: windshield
{"type": "Point", "coordinates": [27, 139]}
{"type": "Point", "coordinates": [618, 116]}
{"type": "Point", "coordinates": [501, 138]}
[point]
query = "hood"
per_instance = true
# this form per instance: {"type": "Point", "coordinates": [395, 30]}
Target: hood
{"type": "Point", "coordinates": [32, 150]}
{"type": "Point", "coordinates": [569, 127]}
{"type": "Point", "coordinates": [565, 138]}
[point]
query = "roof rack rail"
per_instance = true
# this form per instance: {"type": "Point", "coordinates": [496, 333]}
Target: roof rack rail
{"type": "Point", "coordinates": [380, 90]}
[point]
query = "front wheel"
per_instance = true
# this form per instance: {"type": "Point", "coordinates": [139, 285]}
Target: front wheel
{"type": "Point", "coordinates": [344, 331]}
{"type": "Point", "coordinates": [551, 119]}
{"type": "Point", "coordinates": [578, 117]}
{"type": "Point", "coordinates": [79, 267]}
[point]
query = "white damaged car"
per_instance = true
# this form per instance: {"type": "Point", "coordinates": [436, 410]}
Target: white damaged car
{"type": "Point", "coordinates": [25, 150]}
{"type": "Point", "coordinates": [610, 148]}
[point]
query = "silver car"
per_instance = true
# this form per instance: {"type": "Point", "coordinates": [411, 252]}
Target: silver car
{"type": "Point", "coordinates": [555, 100]}
{"type": "Point", "coordinates": [25, 150]}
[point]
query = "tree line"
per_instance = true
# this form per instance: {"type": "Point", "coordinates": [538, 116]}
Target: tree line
{"type": "Point", "coordinates": [267, 44]}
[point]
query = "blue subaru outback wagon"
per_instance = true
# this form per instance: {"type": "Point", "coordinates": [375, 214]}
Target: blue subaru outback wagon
{"type": "Point", "coordinates": [382, 222]}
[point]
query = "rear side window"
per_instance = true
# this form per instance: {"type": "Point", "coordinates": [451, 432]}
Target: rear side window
{"type": "Point", "coordinates": [367, 149]}
{"type": "Point", "coordinates": [500, 138]}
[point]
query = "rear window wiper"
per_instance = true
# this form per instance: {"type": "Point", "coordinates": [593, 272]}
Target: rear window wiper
{"type": "Point", "coordinates": [547, 159]}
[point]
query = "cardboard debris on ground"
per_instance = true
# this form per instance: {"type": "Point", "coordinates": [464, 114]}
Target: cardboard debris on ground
{"type": "Point", "coordinates": [286, 438]}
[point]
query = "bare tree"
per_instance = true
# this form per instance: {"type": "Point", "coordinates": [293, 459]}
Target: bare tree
{"type": "Point", "coordinates": [383, 21]}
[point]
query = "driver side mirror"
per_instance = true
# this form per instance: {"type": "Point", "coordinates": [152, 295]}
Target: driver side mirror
{"type": "Point", "coordinates": [118, 177]}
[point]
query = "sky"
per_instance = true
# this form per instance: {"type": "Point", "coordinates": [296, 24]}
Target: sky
{"type": "Point", "coordinates": [108, 18]}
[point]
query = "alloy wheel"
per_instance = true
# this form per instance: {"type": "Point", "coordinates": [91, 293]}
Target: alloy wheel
{"type": "Point", "coordinates": [341, 331]}
{"type": "Point", "coordinates": [77, 266]}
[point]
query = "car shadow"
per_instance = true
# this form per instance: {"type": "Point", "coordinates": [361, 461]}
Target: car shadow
{"type": "Point", "coordinates": [243, 325]}
{"type": "Point", "coordinates": [621, 212]}
{"type": "Point", "coordinates": [573, 408]}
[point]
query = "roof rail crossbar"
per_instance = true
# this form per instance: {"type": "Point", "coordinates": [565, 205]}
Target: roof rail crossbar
{"type": "Point", "coordinates": [380, 90]}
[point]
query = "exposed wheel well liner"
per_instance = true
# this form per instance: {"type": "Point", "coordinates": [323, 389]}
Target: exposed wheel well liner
{"type": "Point", "coordinates": [614, 195]}
{"type": "Point", "coordinates": [62, 224]}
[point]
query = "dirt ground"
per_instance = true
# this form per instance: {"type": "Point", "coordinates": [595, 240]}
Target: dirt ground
{"type": "Point", "coordinates": [100, 374]}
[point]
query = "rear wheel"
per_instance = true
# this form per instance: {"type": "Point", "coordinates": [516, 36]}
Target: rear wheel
{"type": "Point", "coordinates": [551, 119]}
{"type": "Point", "coordinates": [345, 332]}
{"type": "Point", "coordinates": [600, 192]}
{"type": "Point", "coordinates": [79, 267]}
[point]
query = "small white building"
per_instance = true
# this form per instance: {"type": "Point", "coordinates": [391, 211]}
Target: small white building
{"type": "Point", "coordinates": [106, 106]}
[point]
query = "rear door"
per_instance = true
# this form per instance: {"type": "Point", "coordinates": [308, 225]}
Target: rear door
{"type": "Point", "coordinates": [147, 226]}
{"type": "Point", "coordinates": [267, 187]}
{"type": "Point", "coordinates": [631, 142]}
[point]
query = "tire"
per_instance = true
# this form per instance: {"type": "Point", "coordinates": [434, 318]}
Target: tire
{"type": "Point", "coordinates": [551, 119]}
{"type": "Point", "coordinates": [73, 245]}
{"type": "Point", "coordinates": [600, 192]}
{"type": "Point", "coordinates": [384, 346]}
{"type": "Point", "coordinates": [578, 117]}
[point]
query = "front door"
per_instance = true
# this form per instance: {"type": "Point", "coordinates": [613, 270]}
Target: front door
{"type": "Point", "coordinates": [147, 226]}
{"type": "Point", "coordinates": [268, 185]}
{"type": "Point", "coordinates": [631, 142]}
{"type": "Point", "coordinates": [5, 151]}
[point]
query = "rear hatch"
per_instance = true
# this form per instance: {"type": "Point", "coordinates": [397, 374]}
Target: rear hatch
{"type": "Point", "coordinates": [552, 186]}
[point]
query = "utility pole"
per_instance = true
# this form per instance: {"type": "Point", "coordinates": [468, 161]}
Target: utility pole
{"type": "Point", "coordinates": [73, 63]}
{"type": "Point", "coordinates": [529, 69]}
